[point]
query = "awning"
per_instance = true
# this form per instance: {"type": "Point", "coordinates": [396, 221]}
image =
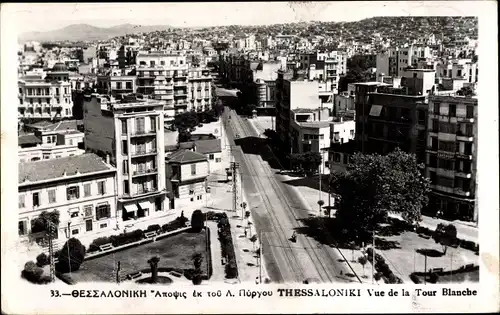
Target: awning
{"type": "Point", "coordinates": [130, 207]}
{"type": "Point", "coordinates": [375, 110]}
{"type": "Point", "coordinates": [145, 205]}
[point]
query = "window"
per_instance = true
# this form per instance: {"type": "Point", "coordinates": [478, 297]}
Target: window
{"type": "Point", "coordinates": [469, 130]}
{"type": "Point", "coordinates": [86, 190]}
{"type": "Point", "coordinates": [436, 108]}
{"type": "Point", "coordinates": [103, 225]}
{"type": "Point", "coordinates": [21, 201]}
{"type": "Point", "coordinates": [432, 160]}
{"type": "Point", "coordinates": [125, 167]}
{"type": "Point", "coordinates": [193, 169]}
{"type": "Point", "coordinates": [88, 225]}
{"type": "Point", "coordinates": [198, 197]}
{"type": "Point", "coordinates": [124, 127]}
{"type": "Point", "coordinates": [447, 127]}
{"type": "Point", "coordinates": [351, 134]}
{"type": "Point", "coordinates": [453, 110]}
{"type": "Point", "coordinates": [435, 125]}
{"type": "Point", "coordinates": [102, 212]}
{"type": "Point", "coordinates": [73, 192]}
{"type": "Point", "coordinates": [87, 211]}
{"type": "Point", "coordinates": [139, 125]}
{"type": "Point", "coordinates": [432, 176]}
{"type": "Point", "coordinates": [128, 85]}
{"type": "Point", "coordinates": [468, 148]}
{"type": "Point", "coordinates": [101, 188]}
{"type": "Point", "coordinates": [74, 214]}
{"type": "Point", "coordinates": [75, 232]}
{"type": "Point", "coordinates": [118, 85]}
{"type": "Point", "coordinates": [70, 141]}
{"type": "Point", "coordinates": [36, 200]}
{"type": "Point", "coordinates": [446, 164]}
{"type": "Point", "coordinates": [125, 187]}
{"type": "Point", "coordinates": [153, 123]}
{"type": "Point", "coordinates": [210, 156]}
{"type": "Point", "coordinates": [52, 196]}
{"type": "Point", "coordinates": [470, 112]}
{"type": "Point", "coordinates": [217, 160]}
{"type": "Point", "coordinates": [22, 227]}
{"type": "Point", "coordinates": [124, 147]}
{"type": "Point", "coordinates": [447, 146]}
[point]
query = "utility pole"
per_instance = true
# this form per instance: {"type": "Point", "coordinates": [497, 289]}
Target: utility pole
{"type": "Point", "coordinates": [234, 168]}
{"type": "Point", "coordinates": [373, 256]}
{"type": "Point", "coordinates": [260, 256]}
{"type": "Point", "coordinates": [52, 229]}
{"type": "Point", "coordinates": [118, 272]}
{"type": "Point", "coordinates": [69, 257]}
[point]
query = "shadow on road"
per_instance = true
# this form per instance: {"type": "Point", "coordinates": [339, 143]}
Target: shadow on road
{"type": "Point", "coordinates": [383, 244]}
{"type": "Point", "coordinates": [258, 146]}
{"type": "Point", "coordinates": [429, 252]}
{"type": "Point", "coordinates": [319, 229]}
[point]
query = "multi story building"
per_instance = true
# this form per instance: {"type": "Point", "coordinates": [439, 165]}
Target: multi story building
{"type": "Point", "coordinates": [131, 133]}
{"type": "Point", "coordinates": [325, 67]}
{"type": "Point", "coordinates": [199, 89]}
{"type": "Point", "coordinates": [116, 83]}
{"type": "Point", "coordinates": [186, 174]}
{"type": "Point", "coordinates": [396, 119]}
{"type": "Point", "coordinates": [393, 61]}
{"type": "Point", "coordinates": [451, 156]}
{"type": "Point", "coordinates": [45, 97]}
{"type": "Point", "coordinates": [81, 188]}
{"type": "Point", "coordinates": [293, 92]}
{"type": "Point", "coordinates": [457, 73]}
{"type": "Point", "coordinates": [31, 148]}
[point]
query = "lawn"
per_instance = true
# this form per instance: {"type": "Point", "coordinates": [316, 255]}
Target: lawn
{"type": "Point", "coordinates": [174, 252]}
{"type": "Point", "coordinates": [405, 257]}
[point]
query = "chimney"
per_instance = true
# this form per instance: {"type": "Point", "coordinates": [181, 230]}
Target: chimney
{"type": "Point", "coordinates": [107, 158]}
{"type": "Point", "coordinates": [341, 118]}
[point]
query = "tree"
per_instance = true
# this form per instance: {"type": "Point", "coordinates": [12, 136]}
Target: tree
{"type": "Point", "coordinates": [466, 91]}
{"type": "Point", "coordinates": [375, 185]}
{"type": "Point", "coordinates": [308, 161]}
{"type": "Point", "coordinates": [184, 136]}
{"type": "Point", "coordinates": [377, 276]}
{"type": "Point", "coordinates": [253, 239]}
{"type": "Point", "coordinates": [271, 134]}
{"type": "Point", "coordinates": [446, 235]}
{"type": "Point", "coordinates": [320, 204]}
{"type": "Point", "coordinates": [353, 76]}
{"type": "Point", "coordinates": [70, 260]}
{"type": "Point", "coordinates": [153, 264]}
{"type": "Point", "coordinates": [363, 260]}
{"type": "Point", "coordinates": [41, 223]}
{"type": "Point", "coordinates": [197, 261]}
{"type": "Point", "coordinates": [197, 221]}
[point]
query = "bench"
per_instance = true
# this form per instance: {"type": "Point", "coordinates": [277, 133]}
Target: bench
{"type": "Point", "coordinates": [150, 234]}
{"type": "Point", "coordinates": [469, 266]}
{"type": "Point", "coordinates": [434, 270]}
{"type": "Point", "coordinates": [134, 275]}
{"type": "Point", "coordinates": [176, 274]}
{"type": "Point", "coordinates": [105, 247]}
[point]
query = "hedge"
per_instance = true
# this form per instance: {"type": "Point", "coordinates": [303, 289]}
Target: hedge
{"type": "Point", "coordinates": [153, 228]}
{"type": "Point", "coordinates": [465, 244]}
{"type": "Point", "coordinates": [383, 267]}
{"type": "Point", "coordinates": [94, 246]}
{"type": "Point", "coordinates": [176, 224]}
{"type": "Point", "coordinates": [227, 248]}
{"type": "Point", "coordinates": [42, 260]}
{"type": "Point", "coordinates": [34, 274]}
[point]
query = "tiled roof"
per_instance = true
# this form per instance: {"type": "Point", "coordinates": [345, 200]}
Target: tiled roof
{"type": "Point", "coordinates": [208, 146]}
{"type": "Point", "coordinates": [63, 125]}
{"type": "Point", "coordinates": [184, 156]}
{"type": "Point", "coordinates": [28, 139]}
{"type": "Point", "coordinates": [55, 168]}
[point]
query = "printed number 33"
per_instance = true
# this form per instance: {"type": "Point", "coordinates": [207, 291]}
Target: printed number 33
{"type": "Point", "coordinates": [54, 293]}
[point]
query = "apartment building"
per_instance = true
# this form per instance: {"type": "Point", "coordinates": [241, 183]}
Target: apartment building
{"type": "Point", "coordinates": [186, 174]}
{"type": "Point", "coordinates": [81, 188]}
{"type": "Point", "coordinates": [393, 61]}
{"type": "Point", "coordinates": [31, 148]}
{"type": "Point", "coordinates": [44, 97]}
{"type": "Point", "coordinates": [396, 119]}
{"type": "Point", "coordinates": [131, 133]}
{"type": "Point", "coordinates": [293, 91]}
{"type": "Point", "coordinates": [200, 89]}
{"type": "Point", "coordinates": [457, 73]}
{"type": "Point", "coordinates": [116, 83]}
{"type": "Point", "coordinates": [451, 156]}
{"type": "Point", "coordinates": [325, 67]}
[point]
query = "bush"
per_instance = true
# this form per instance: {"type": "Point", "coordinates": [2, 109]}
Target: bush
{"type": "Point", "coordinates": [415, 279]}
{"type": "Point", "coordinates": [127, 238]}
{"type": "Point", "coordinates": [65, 278]}
{"type": "Point", "coordinates": [42, 260]}
{"type": "Point", "coordinates": [424, 230]}
{"type": "Point", "coordinates": [76, 256]}
{"type": "Point", "coordinates": [433, 277]}
{"type": "Point", "coordinates": [34, 274]}
{"type": "Point", "coordinates": [231, 269]}
{"type": "Point", "coordinates": [94, 246]}
{"type": "Point", "coordinates": [176, 224]}
{"type": "Point", "coordinates": [153, 228]}
{"type": "Point", "coordinates": [197, 221]}
{"type": "Point", "coordinates": [466, 244]}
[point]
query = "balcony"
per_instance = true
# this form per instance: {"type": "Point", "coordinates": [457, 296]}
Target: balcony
{"type": "Point", "coordinates": [464, 155]}
{"type": "Point", "coordinates": [463, 174]}
{"type": "Point", "coordinates": [183, 94]}
{"type": "Point", "coordinates": [152, 171]}
{"type": "Point", "coordinates": [181, 104]}
{"type": "Point", "coordinates": [143, 133]}
{"type": "Point", "coordinates": [465, 120]}
{"type": "Point", "coordinates": [464, 138]}
{"type": "Point", "coordinates": [181, 74]}
{"type": "Point", "coordinates": [180, 84]}
{"type": "Point", "coordinates": [141, 153]}
{"type": "Point", "coordinates": [445, 172]}
{"type": "Point", "coordinates": [461, 192]}
{"type": "Point", "coordinates": [443, 189]}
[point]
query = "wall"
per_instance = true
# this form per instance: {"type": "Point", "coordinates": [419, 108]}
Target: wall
{"type": "Point", "coordinates": [304, 94]}
{"type": "Point", "coordinates": [99, 129]}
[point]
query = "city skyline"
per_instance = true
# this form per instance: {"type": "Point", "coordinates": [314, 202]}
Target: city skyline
{"type": "Point", "coordinates": [216, 14]}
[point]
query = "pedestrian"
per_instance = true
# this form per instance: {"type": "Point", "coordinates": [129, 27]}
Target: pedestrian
{"type": "Point", "coordinates": [256, 280]}
{"type": "Point", "coordinates": [245, 232]}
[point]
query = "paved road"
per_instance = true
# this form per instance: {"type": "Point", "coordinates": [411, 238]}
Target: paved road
{"type": "Point", "coordinates": [277, 211]}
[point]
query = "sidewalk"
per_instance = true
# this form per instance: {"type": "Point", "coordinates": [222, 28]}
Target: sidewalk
{"type": "Point", "coordinates": [218, 274]}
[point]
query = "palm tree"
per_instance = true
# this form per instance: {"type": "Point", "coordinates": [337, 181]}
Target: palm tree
{"type": "Point", "coordinates": [253, 239]}
{"type": "Point", "coordinates": [153, 263]}
{"type": "Point", "coordinates": [363, 260]}
{"type": "Point", "coordinates": [320, 204]}
{"type": "Point", "coordinates": [197, 260]}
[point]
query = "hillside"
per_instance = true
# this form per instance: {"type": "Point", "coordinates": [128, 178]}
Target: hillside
{"type": "Point", "coordinates": [85, 32]}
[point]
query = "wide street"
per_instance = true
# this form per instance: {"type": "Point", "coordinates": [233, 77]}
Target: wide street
{"type": "Point", "coordinates": [278, 210]}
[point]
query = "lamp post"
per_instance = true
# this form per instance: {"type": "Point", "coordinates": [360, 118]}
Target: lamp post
{"type": "Point", "coordinates": [68, 234]}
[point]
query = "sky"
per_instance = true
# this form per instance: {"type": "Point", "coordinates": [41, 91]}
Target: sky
{"type": "Point", "coordinates": [51, 16]}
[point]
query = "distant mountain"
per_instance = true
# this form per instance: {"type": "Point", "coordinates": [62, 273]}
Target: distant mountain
{"type": "Point", "coordinates": [83, 32]}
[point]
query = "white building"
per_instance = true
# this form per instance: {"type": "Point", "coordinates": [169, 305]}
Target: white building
{"type": "Point", "coordinates": [82, 188]}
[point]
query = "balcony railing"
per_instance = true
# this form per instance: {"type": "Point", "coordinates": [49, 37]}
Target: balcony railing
{"type": "Point", "coordinates": [143, 152]}
{"type": "Point", "coordinates": [150, 171]}
{"type": "Point", "coordinates": [142, 133]}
